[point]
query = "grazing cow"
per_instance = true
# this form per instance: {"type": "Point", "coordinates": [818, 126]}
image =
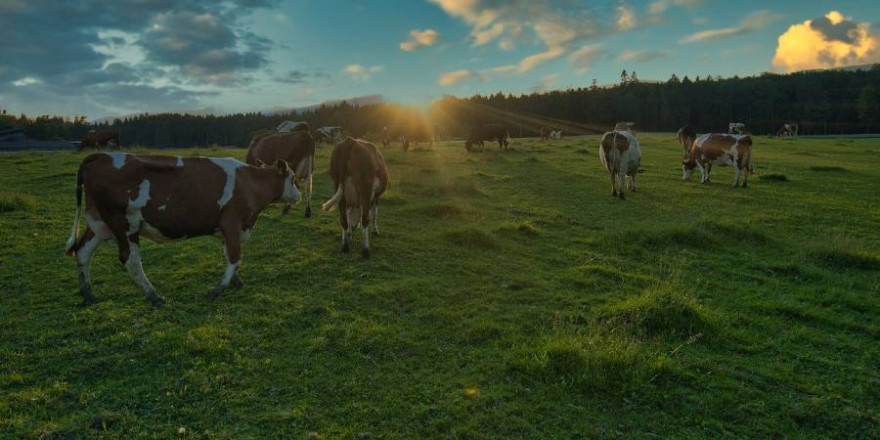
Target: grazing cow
{"type": "Point", "coordinates": [686, 137]}
{"type": "Point", "coordinates": [329, 134]}
{"type": "Point", "coordinates": [720, 149]}
{"type": "Point", "coordinates": [408, 135]}
{"type": "Point", "coordinates": [289, 126]}
{"type": "Point", "coordinates": [556, 135]}
{"type": "Point", "coordinates": [621, 156]}
{"type": "Point", "coordinates": [737, 128]}
{"type": "Point", "coordinates": [297, 148]}
{"type": "Point", "coordinates": [788, 130]}
{"type": "Point", "coordinates": [360, 176]}
{"type": "Point", "coordinates": [545, 134]}
{"type": "Point", "coordinates": [100, 138]}
{"type": "Point", "coordinates": [626, 126]}
{"type": "Point", "coordinates": [170, 198]}
{"type": "Point", "coordinates": [488, 132]}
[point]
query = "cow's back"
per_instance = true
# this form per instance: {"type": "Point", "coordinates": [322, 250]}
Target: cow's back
{"type": "Point", "coordinates": [291, 147]}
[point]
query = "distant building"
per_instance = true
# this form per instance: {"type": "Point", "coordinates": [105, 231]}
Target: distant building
{"type": "Point", "coordinates": [14, 139]}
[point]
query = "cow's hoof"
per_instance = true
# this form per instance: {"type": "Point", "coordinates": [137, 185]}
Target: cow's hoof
{"type": "Point", "coordinates": [215, 293]}
{"type": "Point", "coordinates": [156, 301]}
{"type": "Point", "coordinates": [345, 248]}
{"type": "Point", "coordinates": [745, 185]}
{"type": "Point", "coordinates": [89, 300]}
{"type": "Point", "coordinates": [237, 282]}
{"type": "Point", "coordinates": [365, 252]}
{"type": "Point", "coordinates": [308, 212]}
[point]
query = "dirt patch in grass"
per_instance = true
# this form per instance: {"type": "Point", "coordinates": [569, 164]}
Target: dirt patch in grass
{"type": "Point", "coordinates": [773, 178]}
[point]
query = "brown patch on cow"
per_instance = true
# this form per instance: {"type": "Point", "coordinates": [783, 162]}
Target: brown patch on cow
{"type": "Point", "coordinates": [100, 138]}
{"type": "Point", "coordinates": [615, 140]}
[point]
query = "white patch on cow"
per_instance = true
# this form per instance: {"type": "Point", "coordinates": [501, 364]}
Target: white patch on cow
{"type": "Point", "coordinates": [179, 161]}
{"type": "Point", "coordinates": [133, 212]}
{"type": "Point", "coordinates": [151, 232]}
{"type": "Point", "coordinates": [229, 166]}
{"type": "Point", "coordinates": [136, 269]}
{"type": "Point", "coordinates": [99, 227]}
{"type": "Point", "coordinates": [118, 159]}
{"type": "Point", "coordinates": [374, 217]}
{"type": "Point", "coordinates": [291, 192]}
{"type": "Point", "coordinates": [230, 272]}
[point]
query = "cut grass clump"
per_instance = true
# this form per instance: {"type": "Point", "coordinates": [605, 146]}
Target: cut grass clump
{"type": "Point", "coordinates": [591, 363]}
{"type": "Point", "coordinates": [773, 178]}
{"type": "Point", "coordinates": [523, 227]}
{"type": "Point", "coordinates": [470, 237]}
{"type": "Point", "coordinates": [661, 310]}
{"type": "Point", "coordinates": [827, 169]}
{"type": "Point", "coordinates": [15, 201]}
{"type": "Point", "coordinates": [843, 260]}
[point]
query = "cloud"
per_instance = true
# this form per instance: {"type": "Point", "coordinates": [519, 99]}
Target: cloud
{"type": "Point", "coordinates": [547, 82]}
{"type": "Point", "coordinates": [626, 18]}
{"type": "Point", "coordinates": [300, 77]}
{"type": "Point", "coordinates": [826, 42]}
{"type": "Point", "coordinates": [752, 23]}
{"type": "Point", "coordinates": [583, 58]}
{"type": "Point", "coordinates": [455, 77]}
{"type": "Point", "coordinates": [642, 56]}
{"type": "Point", "coordinates": [660, 6]}
{"type": "Point", "coordinates": [484, 36]}
{"type": "Point", "coordinates": [419, 39]}
{"type": "Point", "coordinates": [530, 62]}
{"type": "Point", "coordinates": [362, 73]}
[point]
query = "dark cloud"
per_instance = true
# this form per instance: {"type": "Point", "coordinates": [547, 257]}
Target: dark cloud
{"type": "Point", "coordinates": [301, 77]}
{"type": "Point", "coordinates": [843, 31]}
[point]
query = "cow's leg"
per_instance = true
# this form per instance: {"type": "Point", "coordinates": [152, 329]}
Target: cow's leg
{"type": "Point", "coordinates": [309, 197]}
{"type": "Point", "coordinates": [735, 174]}
{"type": "Point", "coordinates": [621, 184]}
{"type": "Point", "coordinates": [236, 280]}
{"type": "Point", "coordinates": [704, 176]}
{"type": "Point", "coordinates": [136, 270]}
{"type": "Point", "coordinates": [354, 214]}
{"type": "Point", "coordinates": [374, 216]}
{"type": "Point", "coordinates": [746, 172]}
{"type": "Point", "coordinates": [83, 254]}
{"type": "Point", "coordinates": [232, 236]}
{"type": "Point", "coordinates": [346, 229]}
{"type": "Point", "coordinates": [613, 189]}
{"type": "Point", "coordinates": [632, 181]}
{"type": "Point", "coordinates": [366, 221]}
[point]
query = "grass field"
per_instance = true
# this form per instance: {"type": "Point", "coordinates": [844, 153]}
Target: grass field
{"type": "Point", "coordinates": [509, 296]}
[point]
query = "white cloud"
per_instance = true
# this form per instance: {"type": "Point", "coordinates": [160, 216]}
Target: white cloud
{"type": "Point", "coordinates": [361, 73]}
{"type": "Point", "coordinates": [626, 18]}
{"type": "Point", "coordinates": [484, 36]}
{"type": "Point", "coordinates": [641, 56]}
{"type": "Point", "coordinates": [660, 6]}
{"type": "Point", "coordinates": [826, 42]}
{"type": "Point", "coordinates": [26, 81]}
{"type": "Point", "coordinates": [453, 78]}
{"type": "Point", "coordinates": [530, 62]}
{"type": "Point", "coordinates": [419, 39]}
{"type": "Point", "coordinates": [754, 22]}
{"type": "Point", "coordinates": [583, 58]}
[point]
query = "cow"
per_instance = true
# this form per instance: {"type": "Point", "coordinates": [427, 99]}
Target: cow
{"type": "Point", "coordinates": [168, 198]}
{"type": "Point", "coordinates": [297, 148]}
{"type": "Point", "coordinates": [408, 135]}
{"type": "Point", "coordinates": [360, 176]}
{"type": "Point", "coordinates": [556, 135]}
{"type": "Point", "coordinates": [289, 126]}
{"type": "Point", "coordinates": [488, 132]}
{"type": "Point", "coordinates": [788, 130]}
{"type": "Point", "coordinates": [621, 155]}
{"type": "Point", "coordinates": [101, 138]}
{"type": "Point", "coordinates": [686, 137]}
{"type": "Point", "coordinates": [329, 135]}
{"type": "Point", "coordinates": [737, 128]}
{"type": "Point", "coordinates": [545, 134]}
{"type": "Point", "coordinates": [626, 126]}
{"type": "Point", "coordinates": [720, 149]}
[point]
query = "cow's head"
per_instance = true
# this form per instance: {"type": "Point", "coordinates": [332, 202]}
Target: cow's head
{"type": "Point", "coordinates": [687, 168]}
{"type": "Point", "coordinates": [467, 144]}
{"type": "Point", "coordinates": [291, 193]}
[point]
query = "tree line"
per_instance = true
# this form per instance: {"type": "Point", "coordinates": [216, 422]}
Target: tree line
{"type": "Point", "coordinates": [821, 102]}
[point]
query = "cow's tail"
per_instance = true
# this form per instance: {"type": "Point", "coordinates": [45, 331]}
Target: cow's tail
{"type": "Point", "coordinates": [330, 204]}
{"type": "Point", "coordinates": [70, 248]}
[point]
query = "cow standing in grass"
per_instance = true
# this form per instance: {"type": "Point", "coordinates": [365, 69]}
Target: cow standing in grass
{"type": "Point", "coordinates": [488, 132]}
{"type": "Point", "coordinates": [737, 128]}
{"type": "Point", "coordinates": [296, 148]}
{"type": "Point", "coordinates": [686, 137]}
{"type": "Point", "coordinates": [720, 149]}
{"type": "Point", "coordinates": [100, 138]}
{"type": "Point", "coordinates": [545, 134]}
{"type": "Point", "coordinates": [360, 176]}
{"type": "Point", "coordinates": [626, 126]}
{"type": "Point", "coordinates": [788, 130]}
{"type": "Point", "coordinates": [168, 198]}
{"type": "Point", "coordinates": [621, 156]}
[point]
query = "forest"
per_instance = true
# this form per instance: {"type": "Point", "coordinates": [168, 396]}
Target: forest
{"type": "Point", "coordinates": [821, 102]}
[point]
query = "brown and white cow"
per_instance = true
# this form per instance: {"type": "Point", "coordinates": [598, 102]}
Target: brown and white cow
{"type": "Point", "coordinates": [545, 134]}
{"type": "Point", "coordinates": [360, 176]}
{"type": "Point", "coordinates": [488, 132]}
{"type": "Point", "coordinates": [737, 128]}
{"type": "Point", "coordinates": [626, 126]}
{"type": "Point", "coordinates": [556, 135]}
{"type": "Point", "coordinates": [297, 148]}
{"type": "Point", "coordinates": [720, 149]}
{"type": "Point", "coordinates": [686, 137]}
{"type": "Point", "coordinates": [621, 156]}
{"type": "Point", "coordinates": [788, 130]}
{"type": "Point", "coordinates": [168, 198]}
{"type": "Point", "coordinates": [100, 138]}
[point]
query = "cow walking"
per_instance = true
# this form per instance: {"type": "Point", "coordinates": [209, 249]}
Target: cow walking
{"type": "Point", "coordinates": [488, 132]}
{"type": "Point", "coordinates": [168, 198]}
{"type": "Point", "coordinates": [720, 149]}
{"type": "Point", "coordinates": [297, 148]}
{"type": "Point", "coordinates": [360, 176]}
{"type": "Point", "coordinates": [788, 130]}
{"type": "Point", "coordinates": [621, 155]}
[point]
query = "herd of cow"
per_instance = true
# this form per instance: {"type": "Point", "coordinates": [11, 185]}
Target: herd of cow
{"type": "Point", "coordinates": [167, 198]}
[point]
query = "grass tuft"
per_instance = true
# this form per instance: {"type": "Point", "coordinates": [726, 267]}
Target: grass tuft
{"type": "Point", "coordinates": [773, 178]}
{"type": "Point", "coordinates": [442, 210]}
{"type": "Point", "coordinates": [16, 201]}
{"type": "Point", "coordinates": [843, 260]}
{"type": "Point", "coordinates": [662, 310]}
{"type": "Point", "coordinates": [522, 227]}
{"type": "Point", "coordinates": [470, 237]}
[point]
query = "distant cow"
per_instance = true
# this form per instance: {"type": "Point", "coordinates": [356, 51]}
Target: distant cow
{"type": "Point", "coordinates": [686, 137]}
{"type": "Point", "coordinates": [545, 134]}
{"type": "Point", "coordinates": [360, 176]}
{"type": "Point", "coordinates": [170, 198]}
{"type": "Point", "coordinates": [626, 126]}
{"type": "Point", "coordinates": [621, 156]}
{"type": "Point", "coordinates": [408, 135]}
{"type": "Point", "coordinates": [720, 149]}
{"type": "Point", "coordinates": [297, 148]}
{"type": "Point", "coordinates": [289, 126]}
{"type": "Point", "coordinates": [556, 135]}
{"type": "Point", "coordinates": [329, 135]}
{"type": "Point", "coordinates": [101, 138]}
{"type": "Point", "coordinates": [488, 132]}
{"type": "Point", "coordinates": [737, 128]}
{"type": "Point", "coordinates": [788, 130]}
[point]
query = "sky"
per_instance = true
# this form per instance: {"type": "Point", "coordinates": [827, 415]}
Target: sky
{"type": "Point", "coordinates": [109, 58]}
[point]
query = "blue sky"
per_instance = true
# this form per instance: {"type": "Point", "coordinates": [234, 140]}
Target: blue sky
{"type": "Point", "coordinates": [110, 58]}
